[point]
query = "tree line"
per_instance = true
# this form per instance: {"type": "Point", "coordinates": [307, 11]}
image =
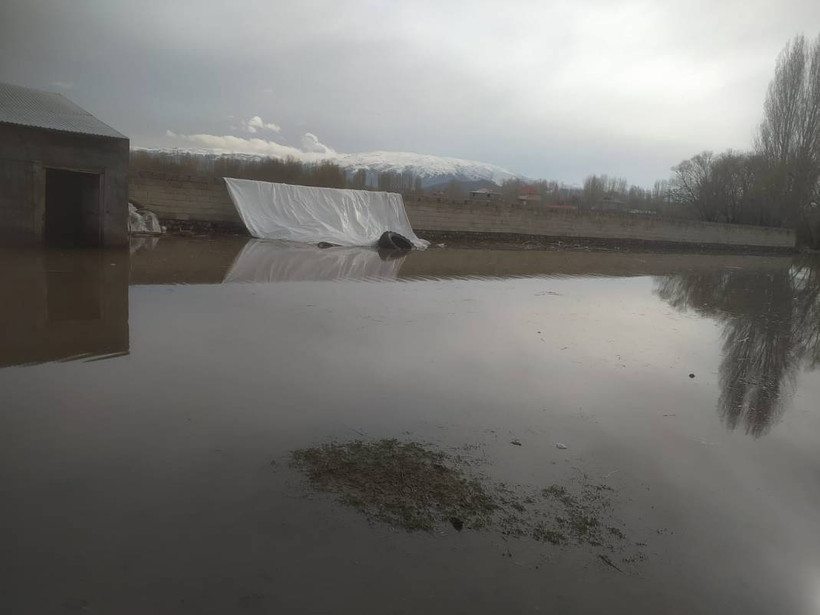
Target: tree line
{"type": "Point", "coordinates": [598, 192]}
{"type": "Point", "coordinates": [287, 171]}
{"type": "Point", "coordinates": [602, 192]}
{"type": "Point", "coordinates": [778, 182]}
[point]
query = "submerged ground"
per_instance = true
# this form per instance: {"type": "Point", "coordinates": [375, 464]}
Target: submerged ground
{"type": "Point", "coordinates": [240, 426]}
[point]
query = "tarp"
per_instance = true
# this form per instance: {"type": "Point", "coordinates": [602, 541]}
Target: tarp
{"type": "Point", "coordinates": [313, 215]}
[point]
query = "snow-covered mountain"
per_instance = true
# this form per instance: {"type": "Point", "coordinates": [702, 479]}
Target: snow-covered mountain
{"type": "Point", "coordinates": [431, 169]}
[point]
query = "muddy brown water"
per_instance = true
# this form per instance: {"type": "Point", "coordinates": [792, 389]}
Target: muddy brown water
{"type": "Point", "coordinates": [150, 402]}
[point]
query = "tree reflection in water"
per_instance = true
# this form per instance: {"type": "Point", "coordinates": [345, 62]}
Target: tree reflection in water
{"type": "Point", "coordinates": [771, 320]}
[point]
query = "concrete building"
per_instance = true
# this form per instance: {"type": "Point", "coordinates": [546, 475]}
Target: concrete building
{"type": "Point", "coordinates": [63, 173]}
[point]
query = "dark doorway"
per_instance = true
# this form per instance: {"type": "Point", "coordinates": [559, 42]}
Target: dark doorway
{"type": "Point", "coordinates": [72, 209]}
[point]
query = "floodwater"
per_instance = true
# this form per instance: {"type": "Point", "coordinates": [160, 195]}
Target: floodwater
{"type": "Point", "coordinates": [150, 402]}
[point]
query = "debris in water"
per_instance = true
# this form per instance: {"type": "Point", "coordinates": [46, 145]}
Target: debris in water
{"type": "Point", "coordinates": [517, 442]}
{"type": "Point", "coordinates": [411, 486]}
{"type": "Point", "coordinates": [561, 446]}
{"type": "Point", "coordinates": [691, 375]}
{"type": "Point", "coordinates": [608, 562]}
{"type": "Point", "coordinates": [401, 483]}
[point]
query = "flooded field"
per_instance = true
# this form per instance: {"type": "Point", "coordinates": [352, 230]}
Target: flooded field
{"type": "Point", "coordinates": [237, 426]}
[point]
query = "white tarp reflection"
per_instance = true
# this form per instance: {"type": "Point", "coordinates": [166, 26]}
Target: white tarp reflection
{"type": "Point", "coordinates": [313, 215]}
{"type": "Point", "coordinates": [275, 261]}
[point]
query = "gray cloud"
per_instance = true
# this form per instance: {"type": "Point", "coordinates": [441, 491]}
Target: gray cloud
{"type": "Point", "coordinates": [554, 90]}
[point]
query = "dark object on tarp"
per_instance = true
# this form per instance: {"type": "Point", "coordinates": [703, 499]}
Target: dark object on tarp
{"type": "Point", "coordinates": [393, 241]}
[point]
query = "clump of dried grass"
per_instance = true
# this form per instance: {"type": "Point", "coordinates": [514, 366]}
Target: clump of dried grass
{"type": "Point", "coordinates": [401, 483]}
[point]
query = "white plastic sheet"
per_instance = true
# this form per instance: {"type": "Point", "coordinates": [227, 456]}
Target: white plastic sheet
{"type": "Point", "coordinates": [313, 215]}
{"type": "Point", "coordinates": [280, 261]}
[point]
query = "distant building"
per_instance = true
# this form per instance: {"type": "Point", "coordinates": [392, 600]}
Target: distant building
{"type": "Point", "coordinates": [529, 194]}
{"type": "Point", "coordinates": [485, 194]}
{"type": "Point", "coordinates": [63, 173]}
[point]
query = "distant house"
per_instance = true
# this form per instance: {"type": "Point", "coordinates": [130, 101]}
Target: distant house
{"type": "Point", "coordinates": [485, 194]}
{"type": "Point", "coordinates": [529, 194]}
{"type": "Point", "coordinates": [63, 173]}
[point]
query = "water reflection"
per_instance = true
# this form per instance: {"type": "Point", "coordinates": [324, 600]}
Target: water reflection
{"type": "Point", "coordinates": [771, 328]}
{"type": "Point", "coordinates": [174, 260]}
{"type": "Point", "coordinates": [63, 306]}
{"type": "Point", "coordinates": [273, 261]}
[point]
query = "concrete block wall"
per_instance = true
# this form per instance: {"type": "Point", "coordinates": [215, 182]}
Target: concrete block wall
{"type": "Point", "coordinates": [184, 197]}
{"type": "Point", "coordinates": [537, 220]}
{"type": "Point", "coordinates": [205, 199]}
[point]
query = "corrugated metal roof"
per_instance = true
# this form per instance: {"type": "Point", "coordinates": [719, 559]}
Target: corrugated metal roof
{"type": "Point", "coordinates": [27, 107]}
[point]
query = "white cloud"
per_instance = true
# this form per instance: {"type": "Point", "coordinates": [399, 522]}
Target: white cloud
{"type": "Point", "coordinates": [228, 144]}
{"type": "Point", "coordinates": [311, 143]}
{"type": "Point", "coordinates": [256, 124]}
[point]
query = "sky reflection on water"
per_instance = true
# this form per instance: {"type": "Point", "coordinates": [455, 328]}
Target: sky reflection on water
{"type": "Point", "coordinates": [145, 399]}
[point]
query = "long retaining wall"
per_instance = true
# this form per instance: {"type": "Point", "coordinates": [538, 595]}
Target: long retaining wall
{"type": "Point", "coordinates": [205, 199]}
{"type": "Point", "coordinates": [537, 220]}
{"type": "Point", "coordinates": [184, 198]}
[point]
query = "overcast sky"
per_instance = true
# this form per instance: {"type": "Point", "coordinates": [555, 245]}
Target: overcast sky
{"type": "Point", "coordinates": [553, 90]}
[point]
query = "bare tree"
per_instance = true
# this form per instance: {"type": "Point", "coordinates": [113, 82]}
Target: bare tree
{"type": "Point", "coordinates": [593, 192]}
{"type": "Point", "coordinates": [693, 186]}
{"type": "Point", "coordinates": [789, 136]}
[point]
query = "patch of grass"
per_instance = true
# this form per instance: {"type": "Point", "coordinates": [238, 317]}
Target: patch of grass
{"type": "Point", "coordinates": [401, 483]}
{"type": "Point", "coordinates": [413, 487]}
{"type": "Point", "coordinates": [616, 532]}
{"type": "Point", "coordinates": [580, 518]}
{"type": "Point", "coordinates": [559, 493]}
{"type": "Point", "coordinates": [583, 526]}
{"type": "Point", "coordinates": [542, 534]}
